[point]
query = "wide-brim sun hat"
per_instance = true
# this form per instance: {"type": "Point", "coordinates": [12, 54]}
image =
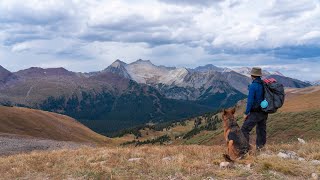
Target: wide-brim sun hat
{"type": "Point", "coordinates": [256, 71]}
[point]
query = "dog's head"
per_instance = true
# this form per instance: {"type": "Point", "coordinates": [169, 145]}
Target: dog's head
{"type": "Point", "coordinates": [228, 116]}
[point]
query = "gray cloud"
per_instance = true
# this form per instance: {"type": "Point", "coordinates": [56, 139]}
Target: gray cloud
{"type": "Point", "coordinates": [175, 32]}
{"type": "Point", "coordinates": [37, 13]}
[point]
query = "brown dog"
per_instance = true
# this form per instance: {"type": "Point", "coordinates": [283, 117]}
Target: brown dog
{"type": "Point", "coordinates": [237, 144]}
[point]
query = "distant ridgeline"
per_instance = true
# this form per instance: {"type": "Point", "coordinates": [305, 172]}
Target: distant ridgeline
{"type": "Point", "coordinates": [125, 95]}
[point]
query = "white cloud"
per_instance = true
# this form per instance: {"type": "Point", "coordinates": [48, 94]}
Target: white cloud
{"type": "Point", "coordinates": [312, 36]}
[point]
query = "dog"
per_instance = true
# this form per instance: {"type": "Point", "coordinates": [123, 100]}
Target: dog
{"type": "Point", "coordinates": [237, 144]}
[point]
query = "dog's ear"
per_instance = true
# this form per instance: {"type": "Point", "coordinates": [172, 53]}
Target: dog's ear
{"type": "Point", "coordinates": [224, 112]}
{"type": "Point", "coordinates": [233, 110]}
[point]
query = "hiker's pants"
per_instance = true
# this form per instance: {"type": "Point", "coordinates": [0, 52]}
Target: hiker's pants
{"type": "Point", "coordinates": [258, 119]}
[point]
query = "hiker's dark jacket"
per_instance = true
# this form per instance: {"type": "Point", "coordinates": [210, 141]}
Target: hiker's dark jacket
{"type": "Point", "coordinates": [255, 96]}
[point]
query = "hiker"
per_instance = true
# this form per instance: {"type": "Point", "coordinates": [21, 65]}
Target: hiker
{"type": "Point", "coordinates": [254, 116]}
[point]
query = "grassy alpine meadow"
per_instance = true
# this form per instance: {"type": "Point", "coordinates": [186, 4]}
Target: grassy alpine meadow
{"type": "Point", "coordinates": [161, 162]}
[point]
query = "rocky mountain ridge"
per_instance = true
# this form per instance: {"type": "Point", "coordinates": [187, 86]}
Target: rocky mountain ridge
{"type": "Point", "coordinates": [190, 81]}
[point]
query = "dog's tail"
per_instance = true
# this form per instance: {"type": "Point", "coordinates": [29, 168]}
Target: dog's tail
{"type": "Point", "coordinates": [227, 158]}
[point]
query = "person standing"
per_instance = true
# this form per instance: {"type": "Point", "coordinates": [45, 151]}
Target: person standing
{"type": "Point", "coordinates": [254, 116]}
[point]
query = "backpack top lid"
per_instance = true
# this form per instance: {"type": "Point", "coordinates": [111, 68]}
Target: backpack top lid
{"type": "Point", "coordinates": [269, 81]}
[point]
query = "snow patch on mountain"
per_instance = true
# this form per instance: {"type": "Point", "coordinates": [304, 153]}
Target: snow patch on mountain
{"type": "Point", "coordinates": [246, 71]}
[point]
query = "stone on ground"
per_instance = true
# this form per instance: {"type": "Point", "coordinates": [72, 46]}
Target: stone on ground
{"type": "Point", "coordinates": [314, 176]}
{"type": "Point", "coordinates": [224, 165]}
{"type": "Point", "coordinates": [134, 159]}
{"type": "Point", "coordinates": [301, 141]}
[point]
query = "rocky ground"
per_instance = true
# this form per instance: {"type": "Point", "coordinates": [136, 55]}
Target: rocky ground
{"type": "Point", "coordinates": [15, 144]}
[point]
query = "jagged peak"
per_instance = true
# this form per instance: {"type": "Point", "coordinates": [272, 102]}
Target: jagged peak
{"type": "Point", "coordinates": [208, 65]}
{"type": "Point", "coordinates": [140, 61]}
{"type": "Point", "coordinates": [117, 63]}
{"type": "Point", "coordinates": [117, 67]}
{"type": "Point", "coordinates": [2, 69]}
{"type": "Point", "coordinates": [4, 74]}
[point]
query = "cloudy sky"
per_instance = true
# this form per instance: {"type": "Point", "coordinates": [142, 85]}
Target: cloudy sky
{"type": "Point", "coordinates": [88, 35]}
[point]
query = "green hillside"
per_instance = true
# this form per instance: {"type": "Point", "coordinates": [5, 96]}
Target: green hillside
{"type": "Point", "coordinates": [298, 118]}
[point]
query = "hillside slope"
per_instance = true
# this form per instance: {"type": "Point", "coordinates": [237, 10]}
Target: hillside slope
{"type": "Point", "coordinates": [302, 99]}
{"type": "Point", "coordinates": [298, 118]}
{"type": "Point", "coordinates": [46, 125]}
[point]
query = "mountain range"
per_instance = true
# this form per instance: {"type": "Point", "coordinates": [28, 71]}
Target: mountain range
{"type": "Point", "coordinates": [181, 83]}
{"type": "Point", "coordinates": [125, 95]}
{"type": "Point", "coordinates": [316, 83]}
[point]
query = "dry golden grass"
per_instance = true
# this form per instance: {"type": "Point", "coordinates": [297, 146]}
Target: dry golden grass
{"type": "Point", "coordinates": [293, 92]}
{"type": "Point", "coordinates": [302, 100]}
{"type": "Point", "coordinates": [187, 162]}
{"type": "Point", "coordinates": [47, 125]}
{"type": "Point", "coordinates": [182, 129]}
